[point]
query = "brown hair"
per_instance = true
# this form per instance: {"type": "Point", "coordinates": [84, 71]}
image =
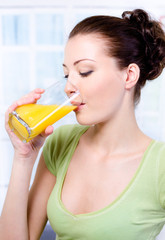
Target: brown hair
{"type": "Point", "coordinates": [134, 38]}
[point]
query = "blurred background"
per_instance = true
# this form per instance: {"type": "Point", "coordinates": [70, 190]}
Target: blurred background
{"type": "Point", "coordinates": [33, 34]}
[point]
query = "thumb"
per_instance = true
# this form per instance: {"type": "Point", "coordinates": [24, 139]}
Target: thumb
{"type": "Point", "coordinates": [40, 139]}
{"type": "Point", "coordinates": [48, 131]}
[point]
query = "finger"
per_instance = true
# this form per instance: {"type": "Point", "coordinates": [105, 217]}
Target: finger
{"type": "Point", "coordinates": [31, 97]}
{"type": "Point", "coordinates": [38, 141]}
{"type": "Point", "coordinates": [47, 132]}
{"type": "Point", "coordinates": [34, 95]}
{"type": "Point", "coordinates": [9, 111]}
{"type": "Point", "coordinates": [12, 107]}
{"type": "Point", "coordinates": [39, 90]}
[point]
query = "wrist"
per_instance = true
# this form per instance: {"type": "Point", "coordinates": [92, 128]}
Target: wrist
{"type": "Point", "coordinates": [25, 160]}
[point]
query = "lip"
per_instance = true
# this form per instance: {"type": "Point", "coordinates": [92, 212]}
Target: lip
{"type": "Point", "coordinates": [79, 105]}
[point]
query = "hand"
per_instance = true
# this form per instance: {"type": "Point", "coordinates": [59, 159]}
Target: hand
{"type": "Point", "coordinates": [30, 149]}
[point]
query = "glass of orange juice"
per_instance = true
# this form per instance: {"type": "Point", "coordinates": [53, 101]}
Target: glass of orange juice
{"type": "Point", "coordinates": [29, 120]}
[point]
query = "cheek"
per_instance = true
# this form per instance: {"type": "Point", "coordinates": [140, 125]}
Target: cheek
{"type": "Point", "coordinates": [107, 94]}
{"type": "Point", "coordinates": [103, 97]}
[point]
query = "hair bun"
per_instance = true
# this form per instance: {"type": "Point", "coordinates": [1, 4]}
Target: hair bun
{"type": "Point", "coordinates": [138, 17]}
{"type": "Point", "coordinates": [154, 40]}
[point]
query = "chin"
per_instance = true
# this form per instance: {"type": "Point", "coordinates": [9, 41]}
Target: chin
{"type": "Point", "coordinates": [85, 121]}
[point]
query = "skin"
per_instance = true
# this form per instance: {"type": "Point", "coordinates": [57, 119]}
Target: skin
{"type": "Point", "coordinates": [109, 151]}
{"type": "Point", "coordinates": [22, 213]}
{"type": "Point", "coordinates": [114, 144]}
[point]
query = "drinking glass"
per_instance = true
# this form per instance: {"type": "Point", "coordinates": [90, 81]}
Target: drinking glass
{"type": "Point", "coordinates": [29, 120]}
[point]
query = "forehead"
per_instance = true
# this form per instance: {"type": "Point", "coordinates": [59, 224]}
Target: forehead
{"type": "Point", "coordinates": [84, 46]}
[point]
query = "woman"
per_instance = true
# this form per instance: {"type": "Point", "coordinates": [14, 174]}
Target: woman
{"type": "Point", "coordinates": [103, 179]}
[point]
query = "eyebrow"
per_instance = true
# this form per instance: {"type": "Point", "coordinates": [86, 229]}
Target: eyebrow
{"type": "Point", "coordinates": [76, 62]}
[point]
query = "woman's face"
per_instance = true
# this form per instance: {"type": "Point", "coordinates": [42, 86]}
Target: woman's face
{"type": "Point", "coordinates": [97, 77]}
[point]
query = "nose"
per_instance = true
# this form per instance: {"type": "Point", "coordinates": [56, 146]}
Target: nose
{"type": "Point", "coordinates": [70, 87]}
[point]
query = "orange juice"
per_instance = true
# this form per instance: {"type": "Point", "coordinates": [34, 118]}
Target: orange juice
{"type": "Point", "coordinates": [29, 120]}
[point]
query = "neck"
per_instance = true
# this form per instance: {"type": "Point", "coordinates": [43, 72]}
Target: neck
{"type": "Point", "coordinates": [118, 134]}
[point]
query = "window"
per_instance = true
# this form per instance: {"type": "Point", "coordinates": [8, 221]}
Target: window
{"type": "Point", "coordinates": [32, 39]}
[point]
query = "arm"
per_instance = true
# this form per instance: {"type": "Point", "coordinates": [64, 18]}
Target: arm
{"type": "Point", "coordinates": [15, 213]}
{"type": "Point", "coordinates": [13, 224]}
{"type": "Point", "coordinates": [37, 206]}
{"type": "Point", "coordinates": [20, 204]}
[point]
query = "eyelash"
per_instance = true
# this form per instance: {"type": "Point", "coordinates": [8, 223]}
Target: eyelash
{"type": "Point", "coordinates": [84, 74]}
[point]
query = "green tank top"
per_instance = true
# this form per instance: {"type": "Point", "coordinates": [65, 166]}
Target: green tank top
{"type": "Point", "coordinates": [138, 213]}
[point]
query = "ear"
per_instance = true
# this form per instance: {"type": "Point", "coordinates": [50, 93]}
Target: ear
{"type": "Point", "coordinates": [133, 73]}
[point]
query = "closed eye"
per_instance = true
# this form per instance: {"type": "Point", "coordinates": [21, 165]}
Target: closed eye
{"type": "Point", "coordinates": [82, 74]}
{"type": "Point", "coordinates": [85, 74]}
